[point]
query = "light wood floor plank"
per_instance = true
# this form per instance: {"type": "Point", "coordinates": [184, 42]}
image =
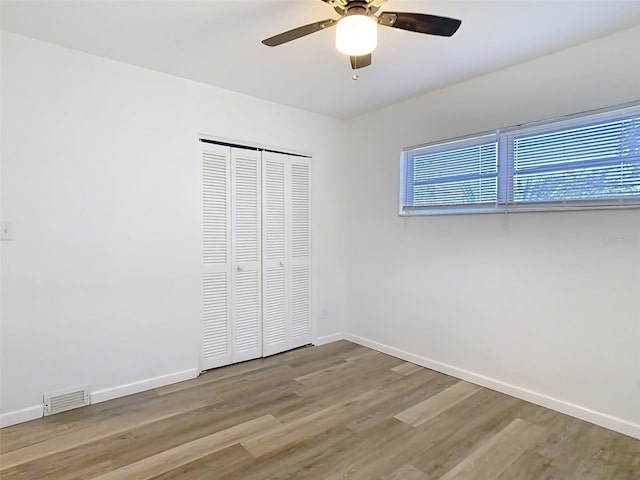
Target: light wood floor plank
{"type": "Point", "coordinates": [356, 366]}
{"type": "Point", "coordinates": [402, 393]}
{"type": "Point", "coordinates": [224, 463]}
{"type": "Point", "coordinates": [191, 451]}
{"type": "Point", "coordinates": [25, 434]}
{"type": "Point", "coordinates": [465, 427]}
{"type": "Point", "coordinates": [305, 461]}
{"type": "Point", "coordinates": [496, 455]}
{"type": "Point", "coordinates": [364, 353]}
{"type": "Point", "coordinates": [406, 472]}
{"type": "Point", "coordinates": [407, 368]}
{"type": "Point", "coordinates": [434, 406]}
{"type": "Point", "coordinates": [306, 427]}
{"type": "Point", "coordinates": [104, 429]}
{"type": "Point", "coordinates": [444, 440]}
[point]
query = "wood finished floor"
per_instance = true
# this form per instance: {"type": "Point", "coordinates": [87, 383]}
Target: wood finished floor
{"type": "Point", "coordinates": [329, 412]}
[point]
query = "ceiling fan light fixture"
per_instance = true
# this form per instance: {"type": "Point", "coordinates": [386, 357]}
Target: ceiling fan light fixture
{"type": "Point", "coordinates": [357, 35]}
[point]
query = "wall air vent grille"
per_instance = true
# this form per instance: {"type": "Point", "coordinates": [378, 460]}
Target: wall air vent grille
{"type": "Point", "coordinates": [63, 400]}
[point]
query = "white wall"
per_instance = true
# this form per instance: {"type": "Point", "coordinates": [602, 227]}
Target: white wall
{"type": "Point", "coordinates": [101, 181]}
{"type": "Point", "coordinates": [543, 305]}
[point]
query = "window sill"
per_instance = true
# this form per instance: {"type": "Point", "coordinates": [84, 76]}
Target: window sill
{"type": "Point", "coordinates": [416, 211]}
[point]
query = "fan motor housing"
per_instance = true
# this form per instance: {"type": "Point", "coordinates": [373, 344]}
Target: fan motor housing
{"type": "Point", "coordinates": [357, 7]}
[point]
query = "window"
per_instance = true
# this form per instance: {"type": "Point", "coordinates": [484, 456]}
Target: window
{"type": "Point", "coordinates": [588, 161]}
{"type": "Point", "coordinates": [456, 173]}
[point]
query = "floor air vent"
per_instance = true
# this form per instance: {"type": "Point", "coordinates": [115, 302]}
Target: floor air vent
{"type": "Point", "coordinates": [62, 400]}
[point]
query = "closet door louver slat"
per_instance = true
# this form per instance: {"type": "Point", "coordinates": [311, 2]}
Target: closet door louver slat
{"type": "Point", "coordinates": [245, 209]}
{"type": "Point", "coordinates": [274, 210]}
{"type": "Point", "coordinates": [300, 302]}
{"type": "Point", "coordinates": [300, 211]}
{"type": "Point", "coordinates": [274, 310]}
{"type": "Point", "coordinates": [214, 201]}
{"type": "Point", "coordinates": [215, 316]}
{"type": "Point", "coordinates": [246, 315]}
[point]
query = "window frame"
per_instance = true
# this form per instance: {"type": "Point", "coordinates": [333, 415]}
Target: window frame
{"type": "Point", "coordinates": [505, 193]}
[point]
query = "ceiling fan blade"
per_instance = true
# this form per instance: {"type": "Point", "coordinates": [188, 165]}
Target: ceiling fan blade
{"type": "Point", "coordinates": [298, 32]}
{"type": "Point", "coordinates": [420, 23]}
{"type": "Point", "coordinates": [360, 61]}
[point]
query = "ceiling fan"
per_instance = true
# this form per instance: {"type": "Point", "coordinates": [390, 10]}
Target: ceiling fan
{"type": "Point", "coordinates": [357, 34]}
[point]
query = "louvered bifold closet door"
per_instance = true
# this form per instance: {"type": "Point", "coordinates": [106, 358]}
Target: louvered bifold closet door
{"type": "Point", "coordinates": [286, 252]}
{"type": "Point", "coordinates": [276, 322]}
{"type": "Point", "coordinates": [300, 251]}
{"type": "Point", "coordinates": [246, 254]}
{"type": "Point", "coordinates": [216, 284]}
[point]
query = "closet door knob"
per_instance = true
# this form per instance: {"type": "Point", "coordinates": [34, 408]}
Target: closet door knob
{"type": "Point", "coordinates": [282, 264]}
{"type": "Point", "coordinates": [239, 268]}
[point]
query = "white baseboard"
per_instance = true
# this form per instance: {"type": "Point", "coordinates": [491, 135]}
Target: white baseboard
{"type": "Point", "coordinates": [329, 338]}
{"type": "Point", "coordinates": [598, 418]}
{"type": "Point", "coordinates": [22, 415]}
{"type": "Point", "coordinates": [147, 384]}
{"type": "Point", "coordinates": [37, 411]}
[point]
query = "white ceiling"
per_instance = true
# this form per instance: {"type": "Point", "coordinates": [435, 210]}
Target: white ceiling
{"type": "Point", "coordinates": [218, 42]}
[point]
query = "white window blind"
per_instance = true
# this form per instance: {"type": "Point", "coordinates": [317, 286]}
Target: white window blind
{"type": "Point", "coordinates": [455, 173]}
{"type": "Point", "coordinates": [593, 159]}
{"type": "Point", "coordinates": [586, 161]}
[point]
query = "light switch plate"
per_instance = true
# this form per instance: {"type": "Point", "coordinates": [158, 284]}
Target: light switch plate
{"type": "Point", "coordinates": [5, 231]}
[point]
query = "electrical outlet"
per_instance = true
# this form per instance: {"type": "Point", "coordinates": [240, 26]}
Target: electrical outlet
{"type": "Point", "coordinates": [5, 231]}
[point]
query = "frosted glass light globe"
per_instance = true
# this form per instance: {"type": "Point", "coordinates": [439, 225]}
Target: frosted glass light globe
{"type": "Point", "coordinates": [357, 35]}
